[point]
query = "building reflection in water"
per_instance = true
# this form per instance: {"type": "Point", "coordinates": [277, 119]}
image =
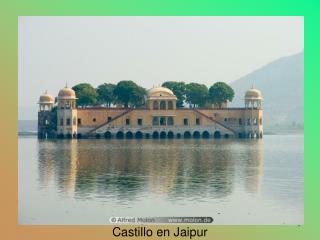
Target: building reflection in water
{"type": "Point", "coordinates": [58, 162]}
{"type": "Point", "coordinates": [124, 170]}
{"type": "Point", "coordinates": [253, 169]}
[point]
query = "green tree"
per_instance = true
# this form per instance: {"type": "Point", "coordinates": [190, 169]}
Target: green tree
{"type": "Point", "coordinates": [86, 94]}
{"type": "Point", "coordinates": [105, 94]}
{"type": "Point", "coordinates": [179, 89]}
{"type": "Point", "coordinates": [220, 93]}
{"type": "Point", "coordinates": [196, 94]}
{"type": "Point", "coordinates": [129, 93]}
{"type": "Point", "coordinates": [137, 98]}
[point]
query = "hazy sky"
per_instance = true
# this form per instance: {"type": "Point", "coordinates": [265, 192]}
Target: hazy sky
{"type": "Point", "coordinates": [147, 50]}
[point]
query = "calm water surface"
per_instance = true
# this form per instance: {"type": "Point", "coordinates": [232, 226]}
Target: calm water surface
{"type": "Point", "coordinates": [233, 181]}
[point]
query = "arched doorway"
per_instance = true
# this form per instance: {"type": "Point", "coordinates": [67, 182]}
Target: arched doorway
{"type": "Point", "coordinates": [187, 134]}
{"type": "Point", "coordinates": [205, 134]}
{"type": "Point", "coordinates": [155, 134]}
{"type": "Point", "coordinates": [217, 134]}
{"type": "Point", "coordinates": [155, 105]}
{"type": "Point", "coordinates": [170, 134]}
{"type": "Point", "coordinates": [163, 134]}
{"type": "Point", "coordinates": [162, 105]}
{"type": "Point", "coordinates": [129, 135]}
{"type": "Point", "coordinates": [107, 134]}
{"type": "Point", "coordinates": [139, 135]}
{"type": "Point", "coordinates": [60, 136]}
{"type": "Point", "coordinates": [120, 134]}
{"type": "Point", "coordinates": [69, 135]}
{"type": "Point", "coordinates": [196, 134]}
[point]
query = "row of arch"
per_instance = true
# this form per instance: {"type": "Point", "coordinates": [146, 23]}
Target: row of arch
{"type": "Point", "coordinates": [161, 134]}
{"type": "Point", "coordinates": [163, 105]}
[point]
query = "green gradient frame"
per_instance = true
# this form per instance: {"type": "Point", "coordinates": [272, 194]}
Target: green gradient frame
{"type": "Point", "coordinates": [10, 10]}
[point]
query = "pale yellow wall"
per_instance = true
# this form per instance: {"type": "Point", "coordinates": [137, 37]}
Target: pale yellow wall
{"type": "Point", "coordinates": [230, 115]}
{"type": "Point", "coordinates": [101, 116]}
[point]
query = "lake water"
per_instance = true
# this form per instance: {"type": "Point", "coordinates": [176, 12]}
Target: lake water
{"type": "Point", "coordinates": [87, 181]}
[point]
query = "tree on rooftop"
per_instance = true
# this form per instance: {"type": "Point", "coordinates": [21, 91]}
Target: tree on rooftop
{"type": "Point", "coordinates": [129, 93]}
{"type": "Point", "coordinates": [105, 94]}
{"type": "Point", "coordinates": [86, 94]}
{"type": "Point", "coordinates": [220, 93]}
{"type": "Point", "coordinates": [179, 89]}
{"type": "Point", "coordinates": [196, 94]}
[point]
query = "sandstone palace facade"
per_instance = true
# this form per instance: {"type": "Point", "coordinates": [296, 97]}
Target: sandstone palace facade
{"type": "Point", "coordinates": [158, 119]}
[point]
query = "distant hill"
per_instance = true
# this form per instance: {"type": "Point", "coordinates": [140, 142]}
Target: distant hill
{"type": "Point", "coordinates": [282, 86]}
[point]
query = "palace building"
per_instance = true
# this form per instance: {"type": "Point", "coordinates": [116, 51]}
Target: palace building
{"type": "Point", "coordinates": [159, 118]}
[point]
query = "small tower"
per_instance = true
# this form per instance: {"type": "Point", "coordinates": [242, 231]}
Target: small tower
{"type": "Point", "coordinates": [161, 98]}
{"type": "Point", "coordinates": [253, 113]}
{"type": "Point", "coordinates": [67, 113]}
{"type": "Point", "coordinates": [45, 117]}
{"type": "Point", "coordinates": [253, 98]}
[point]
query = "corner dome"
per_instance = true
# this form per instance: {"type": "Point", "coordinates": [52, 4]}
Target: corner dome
{"type": "Point", "coordinates": [67, 93]}
{"type": "Point", "coordinates": [253, 93]}
{"type": "Point", "coordinates": [46, 98]}
{"type": "Point", "coordinates": [160, 92]}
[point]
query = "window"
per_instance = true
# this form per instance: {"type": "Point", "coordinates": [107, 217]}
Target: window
{"type": "Point", "coordinates": [197, 121]}
{"type": "Point", "coordinates": [162, 105]}
{"type": "Point", "coordinates": [46, 122]}
{"type": "Point", "coordinates": [74, 122]}
{"type": "Point", "coordinates": [226, 119]}
{"type": "Point", "coordinates": [155, 105]}
{"type": "Point", "coordinates": [185, 121]}
{"type": "Point", "coordinates": [109, 119]}
{"type": "Point", "coordinates": [127, 121]}
{"type": "Point", "coordinates": [170, 105]}
{"type": "Point", "coordinates": [248, 121]}
{"type": "Point", "coordinates": [140, 121]}
{"type": "Point", "coordinates": [94, 119]}
{"type": "Point", "coordinates": [61, 122]}
{"type": "Point", "coordinates": [68, 121]}
{"type": "Point", "coordinates": [255, 121]}
{"type": "Point", "coordinates": [240, 121]}
{"type": "Point", "coordinates": [260, 121]}
{"type": "Point", "coordinates": [79, 121]}
{"type": "Point", "coordinates": [170, 121]}
{"type": "Point", "coordinates": [155, 121]}
{"type": "Point", "coordinates": [162, 121]}
{"type": "Point", "coordinates": [67, 105]}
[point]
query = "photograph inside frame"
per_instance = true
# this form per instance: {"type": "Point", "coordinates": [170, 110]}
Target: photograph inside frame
{"type": "Point", "coordinates": [196, 120]}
